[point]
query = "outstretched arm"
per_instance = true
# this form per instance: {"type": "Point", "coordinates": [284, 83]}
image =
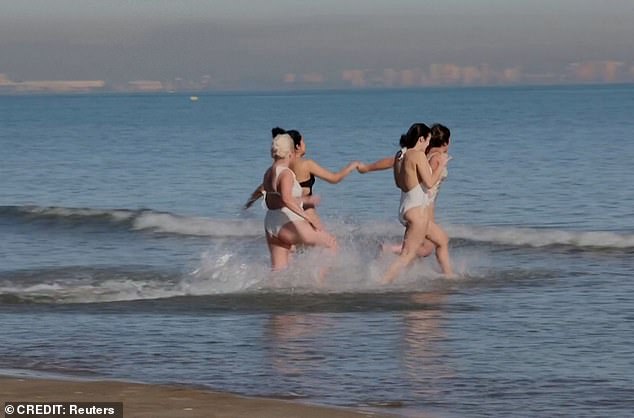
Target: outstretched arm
{"type": "Point", "coordinates": [257, 193]}
{"type": "Point", "coordinates": [382, 164]}
{"type": "Point", "coordinates": [328, 175]}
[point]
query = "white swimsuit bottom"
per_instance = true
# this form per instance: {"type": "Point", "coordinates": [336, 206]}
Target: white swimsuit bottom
{"type": "Point", "coordinates": [411, 199]}
{"type": "Point", "coordinates": [275, 219]}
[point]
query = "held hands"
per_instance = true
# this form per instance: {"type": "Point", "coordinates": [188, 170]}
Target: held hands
{"type": "Point", "coordinates": [352, 166]}
{"type": "Point", "coordinates": [382, 164]}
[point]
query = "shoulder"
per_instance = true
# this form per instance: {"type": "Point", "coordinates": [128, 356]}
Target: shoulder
{"type": "Point", "coordinates": [433, 158]}
{"type": "Point", "coordinates": [286, 175]}
{"type": "Point", "coordinates": [298, 163]}
{"type": "Point", "coordinates": [433, 154]}
{"type": "Point", "coordinates": [414, 155]}
{"type": "Point", "coordinates": [309, 164]}
{"type": "Point", "coordinates": [285, 171]}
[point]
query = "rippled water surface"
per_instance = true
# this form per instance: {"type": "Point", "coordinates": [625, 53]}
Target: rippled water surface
{"type": "Point", "coordinates": [125, 254]}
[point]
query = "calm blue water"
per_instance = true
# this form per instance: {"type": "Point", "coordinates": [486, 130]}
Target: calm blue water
{"type": "Point", "coordinates": [124, 252]}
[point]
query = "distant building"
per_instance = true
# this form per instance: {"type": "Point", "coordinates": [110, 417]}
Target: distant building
{"type": "Point", "coordinates": [4, 80]}
{"type": "Point", "coordinates": [51, 86]}
{"type": "Point", "coordinates": [146, 85]}
{"type": "Point", "coordinates": [60, 86]}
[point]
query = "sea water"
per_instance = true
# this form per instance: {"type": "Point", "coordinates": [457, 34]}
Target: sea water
{"type": "Point", "coordinates": [125, 253]}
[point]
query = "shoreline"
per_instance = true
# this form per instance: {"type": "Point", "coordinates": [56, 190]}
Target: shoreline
{"type": "Point", "coordinates": [163, 401]}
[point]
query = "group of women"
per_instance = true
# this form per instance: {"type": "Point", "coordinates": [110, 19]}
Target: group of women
{"type": "Point", "coordinates": [291, 219]}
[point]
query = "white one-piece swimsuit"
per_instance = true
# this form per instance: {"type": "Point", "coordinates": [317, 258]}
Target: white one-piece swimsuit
{"type": "Point", "coordinates": [275, 219]}
{"type": "Point", "coordinates": [416, 196]}
{"type": "Point", "coordinates": [433, 192]}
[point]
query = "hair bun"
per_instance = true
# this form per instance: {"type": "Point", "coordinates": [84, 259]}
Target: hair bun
{"type": "Point", "coordinates": [403, 140]}
{"type": "Point", "coordinates": [277, 131]}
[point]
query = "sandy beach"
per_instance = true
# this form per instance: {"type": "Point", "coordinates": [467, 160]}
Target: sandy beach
{"type": "Point", "coordinates": [156, 401]}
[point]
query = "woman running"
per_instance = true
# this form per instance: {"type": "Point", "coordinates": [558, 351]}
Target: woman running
{"type": "Point", "coordinates": [286, 222]}
{"type": "Point", "coordinates": [438, 144]}
{"type": "Point", "coordinates": [306, 171]}
{"type": "Point", "coordinates": [414, 177]}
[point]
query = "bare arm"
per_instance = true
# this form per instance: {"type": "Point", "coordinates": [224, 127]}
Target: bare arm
{"type": "Point", "coordinates": [328, 175]}
{"type": "Point", "coordinates": [434, 163]}
{"type": "Point", "coordinates": [257, 193]}
{"type": "Point", "coordinates": [382, 164]}
{"type": "Point", "coordinates": [428, 176]}
{"type": "Point", "coordinates": [286, 193]}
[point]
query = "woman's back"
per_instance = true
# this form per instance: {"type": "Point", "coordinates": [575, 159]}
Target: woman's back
{"type": "Point", "coordinates": [270, 184]}
{"type": "Point", "coordinates": [300, 168]}
{"type": "Point", "coordinates": [406, 170]}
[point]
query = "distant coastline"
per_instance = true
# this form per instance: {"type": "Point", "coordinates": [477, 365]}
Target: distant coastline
{"type": "Point", "coordinates": [606, 72]}
{"type": "Point", "coordinates": [4, 92]}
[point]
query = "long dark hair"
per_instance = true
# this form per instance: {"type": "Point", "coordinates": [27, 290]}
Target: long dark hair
{"type": "Point", "coordinates": [440, 135]}
{"type": "Point", "coordinates": [295, 135]}
{"type": "Point", "coordinates": [414, 132]}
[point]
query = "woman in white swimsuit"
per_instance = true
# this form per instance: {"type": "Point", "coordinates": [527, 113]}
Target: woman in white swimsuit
{"type": "Point", "coordinates": [286, 223]}
{"type": "Point", "coordinates": [438, 146]}
{"type": "Point", "coordinates": [308, 170]}
{"type": "Point", "coordinates": [414, 176]}
{"type": "Point", "coordinates": [437, 238]}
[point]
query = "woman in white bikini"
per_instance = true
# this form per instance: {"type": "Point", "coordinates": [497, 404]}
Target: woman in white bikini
{"type": "Point", "coordinates": [414, 176]}
{"type": "Point", "coordinates": [286, 223]}
{"type": "Point", "coordinates": [307, 170]}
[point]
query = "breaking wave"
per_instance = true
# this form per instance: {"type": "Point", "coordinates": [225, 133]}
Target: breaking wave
{"type": "Point", "coordinates": [148, 220]}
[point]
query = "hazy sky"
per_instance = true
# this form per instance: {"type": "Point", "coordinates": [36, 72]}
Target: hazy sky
{"type": "Point", "coordinates": [263, 43]}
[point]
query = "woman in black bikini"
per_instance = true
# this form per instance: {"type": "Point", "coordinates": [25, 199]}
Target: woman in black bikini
{"type": "Point", "coordinates": [306, 171]}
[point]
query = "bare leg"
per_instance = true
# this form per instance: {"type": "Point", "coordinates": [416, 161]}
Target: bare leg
{"type": "Point", "coordinates": [440, 239]}
{"type": "Point", "coordinates": [280, 252]}
{"type": "Point", "coordinates": [417, 222]}
{"type": "Point", "coordinates": [391, 248]}
{"type": "Point", "coordinates": [302, 233]}
{"type": "Point", "coordinates": [312, 212]}
{"type": "Point", "coordinates": [426, 249]}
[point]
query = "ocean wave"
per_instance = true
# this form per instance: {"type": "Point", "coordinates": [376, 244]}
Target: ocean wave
{"type": "Point", "coordinates": [78, 284]}
{"type": "Point", "coordinates": [221, 276]}
{"type": "Point", "coordinates": [533, 237]}
{"type": "Point", "coordinates": [226, 281]}
{"type": "Point", "coordinates": [148, 220]}
{"type": "Point", "coordinates": [140, 220]}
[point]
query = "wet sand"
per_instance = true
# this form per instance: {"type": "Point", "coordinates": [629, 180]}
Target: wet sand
{"type": "Point", "coordinates": [158, 401]}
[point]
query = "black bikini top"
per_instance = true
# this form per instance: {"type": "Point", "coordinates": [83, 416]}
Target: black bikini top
{"type": "Point", "coordinates": [309, 184]}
